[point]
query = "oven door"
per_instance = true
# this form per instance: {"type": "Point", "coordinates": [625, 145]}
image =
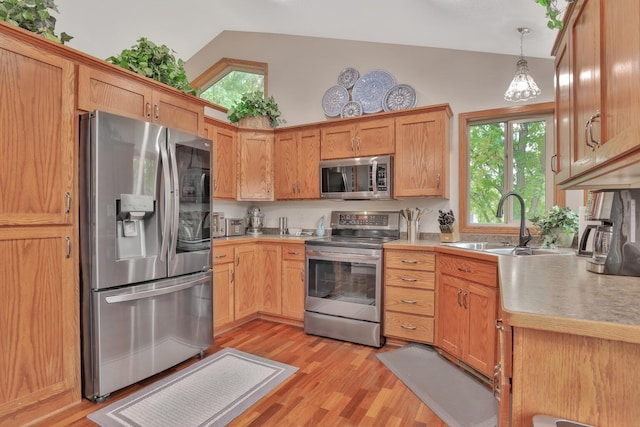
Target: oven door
{"type": "Point", "coordinates": [344, 282]}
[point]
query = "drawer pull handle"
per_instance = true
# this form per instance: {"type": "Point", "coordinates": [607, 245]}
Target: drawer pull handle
{"type": "Point", "coordinates": [293, 252]}
{"type": "Point", "coordinates": [409, 261]}
{"type": "Point", "coordinates": [220, 256]}
{"type": "Point", "coordinates": [464, 270]}
{"type": "Point", "coordinates": [408, 279]}
{"type": "Point", "coordinates": [409, 327]}
{"type": "Point", "coordinates": [409, 301]}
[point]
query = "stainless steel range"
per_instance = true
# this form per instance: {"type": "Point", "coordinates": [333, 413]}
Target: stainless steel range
{"type": "Point", "coordinates": [344, 277]}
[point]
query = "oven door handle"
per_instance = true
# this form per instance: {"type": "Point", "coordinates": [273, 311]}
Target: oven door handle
{"type": "Point", "coordinates": [332, 256]}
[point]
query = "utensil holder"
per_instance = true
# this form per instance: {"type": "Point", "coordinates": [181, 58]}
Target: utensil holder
{"type": "Point", "coordinates": [413, 230]}
{"type": "Point", "coordinates": [452, 236]}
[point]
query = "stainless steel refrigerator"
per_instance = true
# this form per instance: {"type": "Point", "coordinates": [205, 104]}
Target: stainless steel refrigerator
{"type": "Point", "coordinates": [146, 281]}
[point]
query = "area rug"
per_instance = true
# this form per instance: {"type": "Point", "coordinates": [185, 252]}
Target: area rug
{"type": "Point", "coordinates": [211, 392]}
{"type": "Point", "coordinates": [455, 397]}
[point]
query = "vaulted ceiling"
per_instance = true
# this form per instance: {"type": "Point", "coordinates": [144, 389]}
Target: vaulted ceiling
{"type": "Point", "coordinates": [104, 28]}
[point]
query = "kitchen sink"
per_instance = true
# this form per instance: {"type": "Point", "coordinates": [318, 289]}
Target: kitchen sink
{"type": "Point", "coordinates": [501, 249]}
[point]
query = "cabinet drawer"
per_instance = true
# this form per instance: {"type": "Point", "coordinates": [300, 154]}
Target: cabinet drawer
{"type": "Point", "coordinates": [293, 252]}
{"type": "Point", "coordinates": [409, 327]}
{"type": "Point", "coordinates": [407, 300]}
{"type": "Point", "coordinates": [409, 278]}
{"type": "Point", "coordinates": [469, 269]}
{"type": "Point", "coordinates": [222, 254]}
{"type": "Point", "coordinates": [412, 260]}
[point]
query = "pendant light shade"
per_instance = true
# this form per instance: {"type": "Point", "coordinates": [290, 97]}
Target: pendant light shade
{"type": "Point", "coordinates": [522, 87]}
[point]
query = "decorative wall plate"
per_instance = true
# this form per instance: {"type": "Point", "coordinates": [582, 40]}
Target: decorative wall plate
{"type": "Point", "coordinates": [351, 109]}
{"type": "Point", "coordinates": [334, 99]}
{"type": "Point", "coordinates": [348, 77]}
{"type": "Point", "coordinates": [370, 88]}
{"type": "Point", "coordinates": [399, 97]}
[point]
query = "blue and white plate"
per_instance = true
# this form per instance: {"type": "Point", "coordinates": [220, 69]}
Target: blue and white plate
{"type": "Point", "coordinates": [351, 109]}
{"type": "Point", "coordinates": [348, 77]}
{"type": "Point", "coordinates": [399, 97]}
{"type": "Point", "coordinates": [371, 88]}
{"type": "Point", "coordinates": [334, 99]}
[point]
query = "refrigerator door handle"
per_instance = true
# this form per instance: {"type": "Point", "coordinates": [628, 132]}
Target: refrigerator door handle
{"type": "Point", "coordinates": [155, 292]}
{"type": "Point", "coordinates": [167, 198]}
{"type": "Point", "coordinates": [176, 206]}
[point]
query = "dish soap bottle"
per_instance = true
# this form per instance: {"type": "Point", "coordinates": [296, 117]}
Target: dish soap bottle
{"type": "Point", "coordinates": [320, 228]}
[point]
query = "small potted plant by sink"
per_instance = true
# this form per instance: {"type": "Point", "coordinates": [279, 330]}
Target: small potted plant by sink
{"type": "Point", "coordinates": [557, 226]}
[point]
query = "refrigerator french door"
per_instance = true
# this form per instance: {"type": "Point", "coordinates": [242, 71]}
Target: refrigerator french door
{"type": "Point", "coordinates": [146, 250]}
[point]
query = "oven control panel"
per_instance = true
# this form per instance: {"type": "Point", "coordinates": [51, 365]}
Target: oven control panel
{"type": "Point", "coordinates": [364, 219]}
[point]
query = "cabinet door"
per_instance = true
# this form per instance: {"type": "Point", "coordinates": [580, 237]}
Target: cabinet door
{"type": "Point", "coordinates": [40, 333]}
{"type": "Point", "coordinates": [255, 156]}
{"type": "Point", "coordinates": [452, 316]}
{"type": "Point", "coordinates": [422, 155]}
{"type": "Point", "coordinates": [286, 165]}
{"type": "Point", "coordinates": [247, 293]}
{"type": "Point", "coordinates": [480, 343]}
{"type": "Point", "coordinates": [338, 142]}
{"type": "Point", "coordinates": [585, 33]}
{"type": "Point", "coordinates": [224, 163]}
{"type": "Point", "coordinates": [562, 157]}
{"type": "Point", "coordinates": [270, 280]}
{"type": "Point", "coordinates": [308, 164]}
{"type": "Point", "coordinates": [621, 20]}
{"type": "Point", "coordinates": [375, 137]}
{"type": "Point", "coordinates": [101, 90]}
{"type": "Point", "coordinates": [223, 307]}
{"type": "Point", "coordinates": [37, 131]}
{"type": "Point", "coordinates": [293, 289]}
{"type": "Point", "coordinates": [176, 112]}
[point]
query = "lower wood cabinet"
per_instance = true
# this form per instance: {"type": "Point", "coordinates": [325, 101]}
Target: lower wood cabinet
{"type": "Point", "coordinates": [293, 274]}
{"type": "Point", "coordinates": [269, 278]}
{"type": "Point", "coordinates": [409, 299]}
{"type": "Point", "coordinates": [40, 329]}
{"type": "Point", "coordinates": [223, 282]}
{"type": "Point", "coordinates": [467, 310]}
{"type": "Point", "coordinates": [247, 293]}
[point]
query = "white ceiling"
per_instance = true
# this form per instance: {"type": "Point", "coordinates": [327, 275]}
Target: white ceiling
{"type": "Point", "coordinates": [104, 28]}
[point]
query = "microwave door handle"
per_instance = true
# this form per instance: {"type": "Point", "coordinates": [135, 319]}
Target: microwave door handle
{"type": "Point", "coordinates": [374, 176]}
{"type": "Point", "coordinates": [166, 199]}
{"type": "Point", "coordinates": [345, 183]}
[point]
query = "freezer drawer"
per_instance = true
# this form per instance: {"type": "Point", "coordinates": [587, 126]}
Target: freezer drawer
{"type": "Point", "coordinates": [138, 331]}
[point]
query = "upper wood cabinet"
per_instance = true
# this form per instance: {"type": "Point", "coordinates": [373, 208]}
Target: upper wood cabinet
{"type": "Point", "coordinates": [37, 131]}
{"type": "Point", "coordinates": [598, 70]}
{"type": "Point", "coordinates": [255, 164]}
{"type": "Point", "coordinates": [297, 164]}
{"type": "Point", "coordinates": [358, 138]}
{"type": "Point", "coordinates": [224, 154]}
{"type": "Point", "coordinates": [109, 91]}
{"type": "Point", "coordinates": [422, 154]}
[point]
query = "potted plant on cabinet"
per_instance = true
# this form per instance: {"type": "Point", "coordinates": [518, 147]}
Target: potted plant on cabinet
{"type": "Point", "coordinates": [34, 16]}
{"type": "Point", "coordinates": [557, 226]}
{"type": "Point", "coordinates": [156, 62]}
{"type": "Point", "coordinates": [254, 110]}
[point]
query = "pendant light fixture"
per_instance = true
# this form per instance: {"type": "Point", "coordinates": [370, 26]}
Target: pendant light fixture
{"type": "Point", "coordinates": [522, 87]}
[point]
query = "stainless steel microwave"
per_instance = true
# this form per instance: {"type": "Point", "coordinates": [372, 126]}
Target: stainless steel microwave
{"type": "Point", "coordinates": [360, 178]}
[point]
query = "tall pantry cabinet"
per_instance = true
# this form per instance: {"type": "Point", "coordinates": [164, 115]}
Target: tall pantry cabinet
{"type": "Point", "coordinates": [39, 334]}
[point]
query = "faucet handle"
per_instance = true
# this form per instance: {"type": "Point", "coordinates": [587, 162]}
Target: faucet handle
{"type": "Point", "coordinates": [526, 238]}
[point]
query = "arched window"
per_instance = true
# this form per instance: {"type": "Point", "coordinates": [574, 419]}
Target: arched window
{"type": "Point", "coordinates": [225, 81]}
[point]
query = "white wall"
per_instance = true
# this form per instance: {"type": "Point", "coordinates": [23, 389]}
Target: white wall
{"type": "Point", "coordinates": [301, 69]}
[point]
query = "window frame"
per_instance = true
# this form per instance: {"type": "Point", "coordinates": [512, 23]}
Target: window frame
{"type": "Point", "coordinates": [225, 66]}
{"type": "Point", "coordinates": [497, 114]}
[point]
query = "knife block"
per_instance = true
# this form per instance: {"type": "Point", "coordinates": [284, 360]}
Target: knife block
{"type": "Point", "coordinates": [453, 236]}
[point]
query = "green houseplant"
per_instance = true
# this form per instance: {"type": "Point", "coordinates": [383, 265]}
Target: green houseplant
{"type": "Point", "coordinates": [553, 13]}
{"type": "Point", "coordinates": [34, 16]}
{"type": "Point", "coordinates": [254, 104]}
{"type": "Point", "coordinates": [557, 226]}
{"type": "Point", "coordinates": [156, 62]}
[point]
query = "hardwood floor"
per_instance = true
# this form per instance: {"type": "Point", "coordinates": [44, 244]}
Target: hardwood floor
{"type": "Point", "coordinates": [337, 384]}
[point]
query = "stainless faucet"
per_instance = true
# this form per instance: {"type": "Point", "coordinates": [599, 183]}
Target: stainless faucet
{"type": "Point", "coordinates": [525, 234]}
